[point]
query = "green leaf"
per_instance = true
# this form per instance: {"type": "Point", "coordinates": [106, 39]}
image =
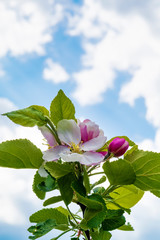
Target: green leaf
{"type": "Point", "coordinates": [61, 108]}
{"type": "Point", "coordinates": [92, 204]}
{"type": "Point", "coordinates": [64, 184]}
{"type": "Point", "coordinates": [147, 169]}
{"type": "Point", "coordinates": [49, 213]}
{"type": "Point", "coordinates": [156, 193]}
{"type": "Point", "coordinates": [86, 180]}
{"type": "Point", "coordinates": [93, 218]}
{"type": "Point", "coordinates": [42, 228]}
{"type": "Point", "coordinates": [131, 143]}
{"type": "Point", "coordinates": [41, 109]}
{"type": "Point", "coordinates": [99, 190]}
{"type": "Point", "coordinates": [27, 117]}
{"type": "Point", "coordinates": [114, 219]}
{"type": "Point", "coordinates": [126, 227]}
{"type": "Point", "coordinates": [119, 172]}
{"type": "Point", "coordinates": [58, 170]}
{"type": "Point", "coordinates": [52, 200]}
{"type": "Point", "coordinates": [20, 153]}
{"type": "Point", "coordinates": [102, 235]}
{"type": "Point", "coordinates": [37, 180]}
{"type": "Point", "coordinates": [126, 197]}
{"type": "Point", "coordinates": [48, 184]}
{"type": "Point", "coordinates": [101, 180]}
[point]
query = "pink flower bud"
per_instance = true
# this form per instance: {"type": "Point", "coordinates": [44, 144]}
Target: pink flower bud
{"type": "Point", "coordinates": [118, 146]}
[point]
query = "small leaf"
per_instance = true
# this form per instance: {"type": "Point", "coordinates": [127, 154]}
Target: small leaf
{"type": "Point", "coordinates": [126, 227]}
{"type": "Point", "coordinates": [42, 228]}
{"type": "Point", "coordinates": [114, 219]}
{"type": "Point", "coordinates": [126, 197]}
{"type": "Point", "coordinates": [101, 180]}
{"type": "Point", "coordinates": [119, 172]}
{"type": "Point", "coordinates": [156, 193]}
{"type": "Point", "coordinates": [61, 108]}
{"type": "Point", "coordinates": [147, 169]}
{"type": "Point", "coordinates": [48, 184]}
{"type": "Point", "coordinates": [49, 213]}
{"type": "Point", "coordinates": [41, 109]}
{"type": "Point", "coordinates": [52, 200]}
{"type": "Point", "coordinates": [58, 170]}
{"type": "Point", "coordinates": [64, 184]}
{"type": "Point", "coordinates": [20, 153]}
{"type": "Point", "coordinates": [99, 190]}
{"type": "Point", "coordinates": [102, 235]}
{"type": "Point", "coordinates": [27, 117]}
{"type": "Point", "coordinates": [37, 180]}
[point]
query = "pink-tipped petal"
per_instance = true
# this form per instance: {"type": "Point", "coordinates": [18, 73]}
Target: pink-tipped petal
{"type": "Point", "coordinates": [53, 154]}
{"type": "Point", "coordinates": [48, 136]}
{"type": "Point", "coordinates": [69, 132]}
{"type": "Point", "coordinates": [93, 144]}
{"type": "Point", "coordinates": [91, 158]}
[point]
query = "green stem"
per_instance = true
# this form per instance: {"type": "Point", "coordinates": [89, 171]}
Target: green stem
{"type": "Point", "coordinates": [90, 170]}
{"type": "Point", "coordinates": [53, 130]}
{"type": "Point", "coordinates": [96, 174]}
{"type": "Point", "coordinates": [62, 234]}
{"type": "Point", "coordinates": [72, 214]}
{"type": "Point", "coordinates": [111, 188]}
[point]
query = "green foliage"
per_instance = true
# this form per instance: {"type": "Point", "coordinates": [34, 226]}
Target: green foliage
{"type": "Point", "coordinates": [126, 196]}
{"type": "Point", "coordinates": [93, 218]}
{"type": "Point", "coordinates": [102, 235]}
{"type": "Point", "coordinates": [99, 190]}
{"type": "Point", "coordinates": [64, 184]}
{"type": "Point", "coordinates": [147, 169]}
{"type": "Point", "coordinates": [114, 219]}
{"type": "Point", "coordinates": [42, 228]}
{"type": "Point", "coordinates": [48, 184]}
{"type": "Point", "coordinates": [119, 172]}
{"type": "Point", "coordinates": [61, 108]}
{"type": "Point", "coordinates": [20, 153]}
{"type": "Point", "coordinates": [41, 109]}
{"type": "Point", "coordinates": [27, 117]}
{"type": "Point", "coordinates": [156, 193]}
{"type": "Point", "coordinates": [52, 200]}
{"type": "Point", "coordinates": [49, 213]}
{"type": "Point", "coordinates": [100, 181]}
{"type": "Point", "coordinates": [36, 181]}
{"type": "Point", "coordinates": [58, 170]}
{"type": "Point", "coordinates": [126, 227]}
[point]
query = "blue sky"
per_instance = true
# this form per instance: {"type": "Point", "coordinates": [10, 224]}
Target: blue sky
{"type": "Point", "coordinates": [105, 56]}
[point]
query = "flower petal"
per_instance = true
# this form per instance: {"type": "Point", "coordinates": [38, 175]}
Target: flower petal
{"type": "Point", "coordinates": [87, 158]}
{"type": "Point", "coordinates": [94, 144]}
{"type": "Point", "coordinates": [69, 132]}
{"type": "Point", "coordinates": [91, 158]}
{"type": "Point", "coordinates": [48, 135]}
{"type": "Point", "coordinates": [53, 154]}
{"type": "Point", "coordinates": [71, 157]}
{"type": "Point", "coordinates": [42, 172]}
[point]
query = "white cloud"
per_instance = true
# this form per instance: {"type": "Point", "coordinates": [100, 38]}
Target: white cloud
{"type": "Point", "coordinates": [54, 72]}
{"type": "Point", "coordinates": [16, 185]}
{"type": "Point", "coordinates": [26, 26]}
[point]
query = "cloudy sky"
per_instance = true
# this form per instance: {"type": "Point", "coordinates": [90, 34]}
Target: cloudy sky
{"type": "Point", "coordinates": [105, 55]}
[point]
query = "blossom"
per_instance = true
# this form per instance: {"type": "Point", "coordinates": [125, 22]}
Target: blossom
{"type": "Point", "coordinates": [79, 143]}
{"type": "Point", "coordinates": [118, 146]}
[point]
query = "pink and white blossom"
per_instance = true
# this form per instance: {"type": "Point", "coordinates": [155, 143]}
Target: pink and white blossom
{"type": "Point", "coordinates": [79, 143]}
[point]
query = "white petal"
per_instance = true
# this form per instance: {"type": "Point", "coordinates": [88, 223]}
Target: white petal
{"type": "Point", "coordinates": [69, 132]}
{"type": "Point", "coordinates": [42, 172]}
{"type": "Point", "coordinates": [87, 158]}
{"type": "Point", "coordinates": [91, 158]}
{"type": "Point", "coordinates": [71, 157]}
{"type": "Point", "coordinates": [53, 154]}
{"type": "Point", "coordinates": [94, 144]}
{"type": "Point", "coordinates": [48, 135]}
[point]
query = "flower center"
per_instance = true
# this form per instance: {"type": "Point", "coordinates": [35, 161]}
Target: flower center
{"type": "Point", "coordinates": [75, 148]}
